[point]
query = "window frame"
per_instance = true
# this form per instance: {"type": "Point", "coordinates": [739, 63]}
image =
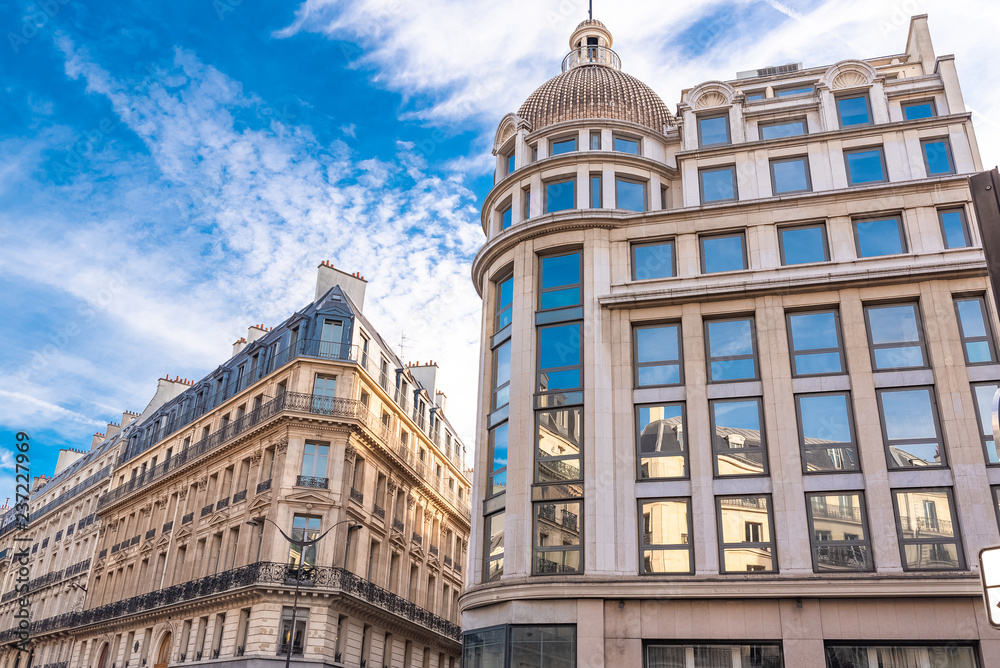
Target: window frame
{"type": "Point", "coordinates": [541, 291]}
{"type": "Point", "coordinates": [712, 116]}
{"type": "Point", "coordinates": [639, 455]}
{"type": "Point", "coordinates": [526, 203]}
{"type": "Point", "coordinates": [921, 341]}
{"type": "Point", "coordinates": [966, 232]}
{"type": "Point", "coordinates": [849, 445]}
{"type": "Point", "coordinates": [804, 159]}
{"type": "Point", "coordinates": [794, 89]}
{"type": "Point", "coordinates": [886, 444]}
{"type": "Point", "coordinates": [669, 241]}
{"type": "Point", "coordinates": [983, 435]}
{"type": "Point", "coordinates": [701, 184]}
{"type": "Point", "coordinates": [558, 180]}
{"type": "Point", "coordinates": [596, 183]}
{"type": "Point", "coordinates": [772, 544]}
{"type": "Point", "coordinates": [900, 230]}
{"type": "Point", "coordinates": [595, 145]}
{"type": "Point", "coordinates": [562, 139]}
{"type": "Point", "coordinates": [792, 351]}
{"type": "Point", "coordinates": [787, 121]}
{"type": "Point", "coordinates": [314, 458]}
{"type": "Point", "coordinates": [487, 559]}
{"type": "Point", "coordinates": [496, 388]}
{"type": "Point", "coordinates": [536, 548]}
{"type": "Point", "coordinates": [665, 547]}
{"type": "Point", "coordinates": [506, 213]}
{"type": "Point", "coordinates": [498, 309]}
{"type": "Point", "coordinates": [903, 106]}
{"type": "Point", "coordinates": [538, 360]}
{"type": "Point", "coordinates": [952, 168]}
{"type": "Point", "coordinates": [851, 96]}
{"type": "Point", "coordinates": [956, 530]}
{"type": "Point", "coordinates": [538, 460]}
{"type": "Point", "coordinates": [995, 495]}
{"type": "Point", "coordinates": [987, 325]}
{"type": "Point", "coordinates": [634, 180]}
{"type": "Point", "coordinates": [615, 136]}
{"type": "Point", "coordinates": [815, 545]}
{"type": "Point", "coordinates": [716, 452]}
{"type": "Point", "coordinates": [720, 235]}
{"type": "Point", "coordinates": [755, 355]}
{"type": "Point", "coordinates": [802, 226]}
{"type": "Point", "coordinates": [880, 149]}
{"type": "Point", "coordinates": [636, 364]}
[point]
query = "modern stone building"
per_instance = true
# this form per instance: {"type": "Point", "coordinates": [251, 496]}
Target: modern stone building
{"type": "Point", "coordinates": [736, 365]}
{"type": "Point", "coordinates": [311, 426]}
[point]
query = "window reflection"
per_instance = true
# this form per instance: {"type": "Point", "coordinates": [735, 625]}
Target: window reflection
{"type": "Point", "coordinates": [896, 337]}
{"type": "Point", "coordinates": [660, 434]}
{"type": "Point", "coordinates": [909, 423]}
{"type": "Point", "coordinates": [826, 432]}
{"type": "Point", "coordinates": [839, 532]}
{"type": "Point", "coordinates": [558, 438]}
{"type": "Point", "coordinates": [745, 534]}
{"type": "Point", "coordinates": [815, 343]}
{"type": "Point", "coordinates": [665, 536]}
{"type": "Point", "coordinates": [737, 438]}
{"type": "Point", "coordinates": [657, 355]}
{"type": "Point", "coordinates": [927, 532]}
{"type": "Point", "coordinates": [731, 350]}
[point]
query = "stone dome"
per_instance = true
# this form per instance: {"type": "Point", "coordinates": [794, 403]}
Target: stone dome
{"type": "Point", "coordinates": [595, 91]}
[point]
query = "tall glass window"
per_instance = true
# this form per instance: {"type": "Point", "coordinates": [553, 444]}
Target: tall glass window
{"type": "Point", "coordinates": [304, 527]}
{"type": "Point", "coordinates": [929, 539]}
{"type": "Point", "coordinates": [526, 208]}
{"type": "Point", "coordinates": [953, 228]}
{"type": "Point", "coordinates": [501, 376]}
{"type": "Point", "coordinates": [826, 432]}
{"type": "Point", "coordinates": [493, 568]}
{"type": "Point", "coordinates": [801, 244]}
{"type": "Point", "coordinates": [883, 236]}
{"type": "Point", "coordinates": [654, 259]}
{"type": "Point", "coordinates": [665, 536]}
{"type": "Point", "coordinates": [977, 340]}
{"type": "Point", "coordinates": [559, 358]}
{"type": "Point", "coordinates": [838, 532]}
{"type": "Point", "coordinates": [595, 140]}
{"type": "Point", "coordinates": [713, 130]}
{"type": "Point", "coordinates": [738, 437]}
{"type": "Point", "coordinates": [732, 349]}
{"type": "Point", "coordinates": [745, 537]}
{"type": "Point", "coordinates": [865, 165]}
{"type": "Point", "coordinates": [314, 460]}
{"type": "Point", "coordinates": [596, 192]}
{"type": "Point", "coordinates": [657, 355]}
{"type": "Point", "coordinates": [560, 195]}
{"type": "Point", "coordinates": [816, 344]}
{"type": "Point", "coordinates": [910, 428]}
{"type": "Point", "coordinates": [497, 474]}
{"type": "Point", "coordinates": [983, 394]}
{"type": "Point", "coordinates": [937, 157]}
{"type": "Point", "coordinates": [718, 184]}
{"type": "Point", "coordinates": [559, 284]}
{"type": "Point", "coordinates": [505, 300]}
{"type": "Point", "coordinates": [630, 194]}
{"type": "Point", "coordinates": [790, 175]}
{"type": "Point", "coordinates": [558, 439]}
{"type": "Point", "coordinates": [895, 337]}
{"type": "Point", "coordinates": [662, 452]}
{"type": "Point", "coordinates": [510, 162]}
{"type": "Point", "coordinates": [854, 110]}
{"type": "Point", "coordinates": [723, 252]}
{"type": "Point", "coordinates": [506, 218]}
{"type": "Point", "coordinates": [558, 529]}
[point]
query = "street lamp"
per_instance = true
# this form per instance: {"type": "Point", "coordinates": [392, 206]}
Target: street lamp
{"type": "Point", "coordinates": [301, 544]}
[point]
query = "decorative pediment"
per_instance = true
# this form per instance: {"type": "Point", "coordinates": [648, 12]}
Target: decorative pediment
{"type": "Point", "coordinates": [98, 567]}
{"type": "Point", "coordinates": [849, 74]}
{"type": "Point", "coordinates": [163, 540]}
{"type": "Point", "coordinates": [509, 125]}
{"type": "Point", "coordinates": [146, 548]}
{"type": "Point", "coordinates": [710, 95]}
{"type": "Point", "coordinates": [182, 534]}
{"type": "Point", "coordinates": [309, 497]}
{"type": "Point", "coordinates": [260, 502]}
{"type": "Point", "coordinates": [219, 517]}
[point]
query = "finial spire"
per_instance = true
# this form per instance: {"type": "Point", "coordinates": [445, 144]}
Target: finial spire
{"type": "Point", "coordinates": [591, 10]}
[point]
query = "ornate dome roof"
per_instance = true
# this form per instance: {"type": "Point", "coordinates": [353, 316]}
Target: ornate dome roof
{"type": "Point", "coordinates": [595, 91]}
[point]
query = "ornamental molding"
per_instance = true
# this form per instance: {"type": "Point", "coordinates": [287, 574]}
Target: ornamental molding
{"type": "Point", "coordinates": [281, 446]}
{"type": "Point", "coordinates": [509, 125]}
{"type": "Point", "coordinates": [849, 74]}
{"type": "Point", "coordinates": [711, 95]}
{"type": "Point", "coordinates": [255, 456]}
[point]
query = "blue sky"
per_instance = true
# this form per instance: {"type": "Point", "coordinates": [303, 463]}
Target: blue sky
{"type": "Point", "coordinates": [171, 173]}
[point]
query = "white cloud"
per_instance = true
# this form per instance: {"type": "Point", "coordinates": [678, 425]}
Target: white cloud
{"type": "Point", "coordinates": [473, 62]}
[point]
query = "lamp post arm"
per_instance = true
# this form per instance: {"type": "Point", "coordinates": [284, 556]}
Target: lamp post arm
{"type": "Point", "coordinates": [304, 543]}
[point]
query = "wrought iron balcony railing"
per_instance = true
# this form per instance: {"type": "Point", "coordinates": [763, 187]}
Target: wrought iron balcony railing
{"type": "Point", "coordinates": [357, 495]}
{"type": "Point", "coordinates": [327, 579]}
{"type": "Point", "coordinates": [378, 511]}
{"type": "Point", "coordinates": [264, 486]}
{"type": "Point", "coordinates": [311, 481]}
{"type": "Point", "coordinates": [240, 496]}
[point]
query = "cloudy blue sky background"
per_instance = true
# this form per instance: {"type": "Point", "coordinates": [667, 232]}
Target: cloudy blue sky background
{"type": "Point", "coordinates": [171, 173]}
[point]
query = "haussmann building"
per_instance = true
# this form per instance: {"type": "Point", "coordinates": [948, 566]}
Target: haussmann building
{"type": "Point", "coordinates": [736, 371]}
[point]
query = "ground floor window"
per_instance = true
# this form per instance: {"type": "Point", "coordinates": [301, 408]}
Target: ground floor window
{"type": "Point", "coordinates": [551, 646]}
{"type": "Point", "coordinates": [679, 655]}
{"type": "Point", "coordinates": [901, 656]}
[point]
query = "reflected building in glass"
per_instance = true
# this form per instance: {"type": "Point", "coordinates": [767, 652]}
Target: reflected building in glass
{"type": "Point", "coordinates": [736, 371]}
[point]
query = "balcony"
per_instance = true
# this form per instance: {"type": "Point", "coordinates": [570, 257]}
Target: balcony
{"type": "Point", "coordinates": [167, 527]}
{"type": "Point", "coordinates": [434, 550]}
{"type": "Point", "coordinates": [311, 481]}
{"type": "Point", "coordinates": [398, 526]}
{"type": "Point", "coordinates": [150, 534]}
{"type": "Point", "coordinates": [378, 511]}
{"type": "Point", "coordinates": [447, 561]}
{"type": "Point", "coordinates": [357, 496]}
{"type": "Point", "coordinates": [187, 519]}
{"type": "Point", "coordinates": [207, 510]}
{"type": "Point", "coordinates": [291, 402]}
{"type": "Point", "coordinates": [222, 503]}
{"type": "Point", "coordinates": [591, 55]}
{"type": "Point", "coordinates": [264, 486]}
{"type": "Point", "coordinates": [261, 574]}
{"type": "Point", "coordinates": [239, 496]}
{"type": "Point", "coordinates": [417, 538]}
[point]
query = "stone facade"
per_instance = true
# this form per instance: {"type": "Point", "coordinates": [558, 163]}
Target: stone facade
{"type": "Point", "coordinates": [312, 426]}
{"type": "Point", "coordinates": [640, 245]}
